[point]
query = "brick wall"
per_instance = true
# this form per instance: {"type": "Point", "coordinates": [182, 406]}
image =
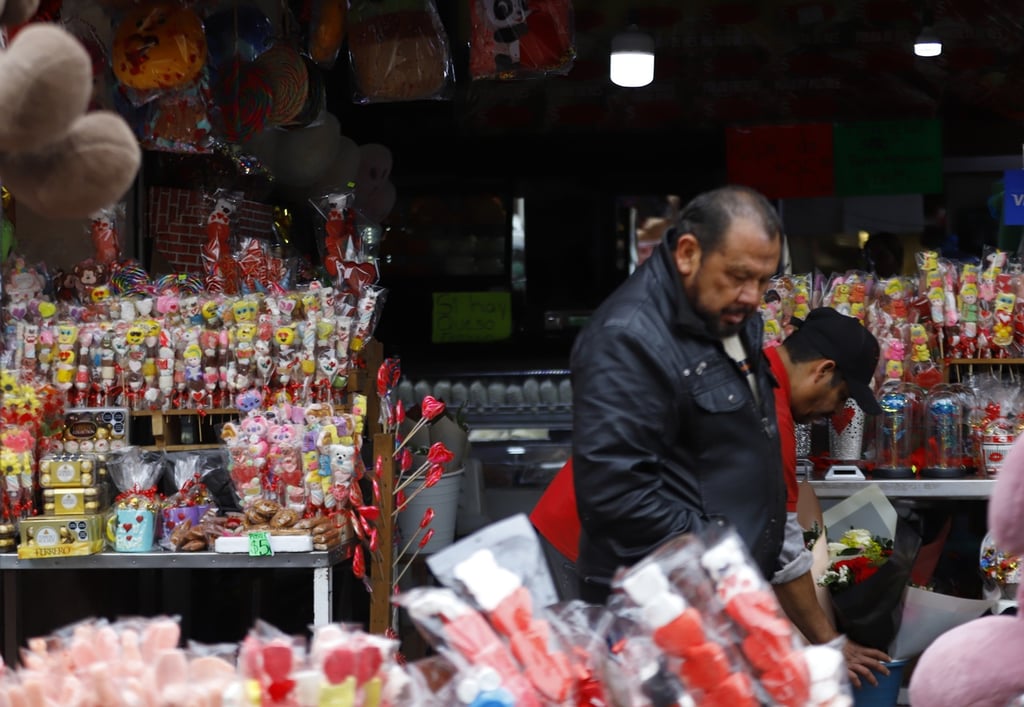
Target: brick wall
{"type": "Point", "coordinates": [177, 226]}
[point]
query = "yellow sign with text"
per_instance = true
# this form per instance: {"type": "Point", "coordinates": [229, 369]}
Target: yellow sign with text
{"type": "Point", "coordinates": [471, 316]}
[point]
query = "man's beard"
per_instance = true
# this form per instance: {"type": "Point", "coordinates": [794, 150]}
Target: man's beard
{"type": "Point", "coordinates": [721, 329]}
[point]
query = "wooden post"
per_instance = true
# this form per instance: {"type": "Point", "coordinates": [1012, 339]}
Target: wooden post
{"type": "Point", "coordinates": [373, 355]}
{"type": "Point", "coordinates": [381, 571]}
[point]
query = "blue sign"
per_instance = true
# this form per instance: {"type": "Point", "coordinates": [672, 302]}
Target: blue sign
{"type": "Point", "coordinates": [1013, 197]}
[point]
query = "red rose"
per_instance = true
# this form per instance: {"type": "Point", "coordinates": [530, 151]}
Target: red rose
{"type": "Point", "coordinates": [860, 568]}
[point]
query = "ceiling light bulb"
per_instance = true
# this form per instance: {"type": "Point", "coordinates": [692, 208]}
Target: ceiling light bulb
{"type": "Point", "coordinates": [927, 43]}
{"type": "Point", "coordinates": [632, 60]}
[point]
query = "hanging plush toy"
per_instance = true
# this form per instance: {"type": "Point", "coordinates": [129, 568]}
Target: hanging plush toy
{"type": "Point", "coordinates": [56, 158]}
{"type": "Point", "coordinates": [979, 663]}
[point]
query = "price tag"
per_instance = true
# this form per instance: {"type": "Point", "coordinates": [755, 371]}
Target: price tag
{"type": "Point", "coordinates": [259, 544]}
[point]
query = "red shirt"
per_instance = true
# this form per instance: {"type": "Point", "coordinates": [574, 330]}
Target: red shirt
{"type": "Point", "coordinates": [555, 516]}
{"type": "Point", "coordinates": [787, 428]}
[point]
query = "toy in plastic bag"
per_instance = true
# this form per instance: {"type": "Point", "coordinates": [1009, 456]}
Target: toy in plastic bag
{"type": "Point", "coordinates": [220, 268]}
{"type": "Point", "coordinates": [398, 55]}
{"type": "Point", "coordinates": [105, 231]}
{"type": "Point", "coordinates": [516, 39]}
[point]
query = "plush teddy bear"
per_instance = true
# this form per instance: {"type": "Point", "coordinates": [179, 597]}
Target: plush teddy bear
{"type": "Point", "coordinates": [55, 157]}
{"type": "Point", "coordinates": [979, 663]}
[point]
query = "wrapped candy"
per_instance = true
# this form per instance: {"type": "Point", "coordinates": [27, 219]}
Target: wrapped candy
{"type": "Point", "coordinates": [105, 231]}
{"type": "Point", "coordinates": [368, 311]}
{"type": "Point", "coordinates": [17, 461]}
{"type": "Point", "coordinates": [284, 458]}
{"type": "Point", "coordinates": [219, 266]}
{"type": "Point", "coordinates": [349, 662]}
{"type": "Point", "coordinates": [248, 448]}
{"type": "Point", "coordinates": [339, 245]}
{"type": "Point", "coordinates": [768, 641]}
{"type": "Point", "coordinates": [190, 500]}
{"type": "Point", "coordinates": [674, 599]}
{"type": "Point", "coordinates": [508, 606]}
{"type": "Point", "coordinates": [462, 634]}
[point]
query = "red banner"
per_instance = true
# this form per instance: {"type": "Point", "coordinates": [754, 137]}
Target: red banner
{"type": "Point", "coordinates": [782, 161]}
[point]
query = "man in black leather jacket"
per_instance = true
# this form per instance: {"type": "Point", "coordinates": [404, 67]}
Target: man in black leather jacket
{"type": "Point", "coordinates": [674, 422]}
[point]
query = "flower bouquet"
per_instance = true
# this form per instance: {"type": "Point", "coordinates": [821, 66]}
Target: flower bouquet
{"type": "Point", "coordinates": [854, 559]}
{"type": "Point", "coordinates": [871, 559]}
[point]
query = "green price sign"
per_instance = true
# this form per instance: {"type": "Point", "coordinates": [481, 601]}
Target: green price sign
{"type": "Point", "coordinates": [259, 544]}
{"type": "Point", "coordinates": [471, 316]}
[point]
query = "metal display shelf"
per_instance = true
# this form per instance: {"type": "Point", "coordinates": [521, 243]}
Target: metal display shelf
{"type": "Point", "coordinates": [321, 562]}
{"type": "Point", "coordinates": [971, 488]}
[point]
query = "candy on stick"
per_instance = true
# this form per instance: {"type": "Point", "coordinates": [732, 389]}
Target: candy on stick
{"type": "Point", "coordinates": [360, 664]}
{"type": "Point", "coordinates": [1003, 308]}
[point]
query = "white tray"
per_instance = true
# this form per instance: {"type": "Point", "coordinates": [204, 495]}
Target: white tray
{"type": "Point", "coordinates": [278, 543]}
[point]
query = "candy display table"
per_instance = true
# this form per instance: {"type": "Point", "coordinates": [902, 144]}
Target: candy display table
{"type": "Point", "coordinates": [321, 564]}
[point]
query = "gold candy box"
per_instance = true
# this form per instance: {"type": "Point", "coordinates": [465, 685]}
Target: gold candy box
{"type": "Point", "coordinates": [61, 536]}
{"type": "Point", "coordinates": [70, 470]}
{"type": "Point", "coordinates": [75, 501]}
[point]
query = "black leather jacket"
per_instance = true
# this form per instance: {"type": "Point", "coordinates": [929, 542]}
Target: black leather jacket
{"type": "Point", "coordinates": [666, 432]}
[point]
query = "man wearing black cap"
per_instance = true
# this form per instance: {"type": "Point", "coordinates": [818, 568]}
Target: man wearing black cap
{"type": "Point", "coordinates": [828, 358]}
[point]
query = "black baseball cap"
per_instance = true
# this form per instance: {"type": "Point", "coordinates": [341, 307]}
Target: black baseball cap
{"type": "Point", "coordinates": [847, 342]}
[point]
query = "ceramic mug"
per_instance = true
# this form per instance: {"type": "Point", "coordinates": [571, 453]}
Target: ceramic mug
{"type": "Point", "coordinates": [131, 529]}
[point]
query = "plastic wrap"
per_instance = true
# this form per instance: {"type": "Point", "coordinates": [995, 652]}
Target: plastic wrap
{"type": "Point", "coordinates": [398, 55]}
{"type": "Point", "coordinates": [519, 39]}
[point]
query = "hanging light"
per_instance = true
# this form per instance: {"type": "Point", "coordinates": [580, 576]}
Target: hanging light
{"type": "Point", "coordinates": [632, 60]}
{"type": "Point", "coordinates": [927, 43]}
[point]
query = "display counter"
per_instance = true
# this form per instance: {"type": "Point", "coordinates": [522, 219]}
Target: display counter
{"type": "Point", "coordinates": [320, 564]}
{"type": "Point", "coordinates": [968, 488]}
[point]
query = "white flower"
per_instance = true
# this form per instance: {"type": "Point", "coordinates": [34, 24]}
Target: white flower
{"type": "Point", "coordinates": [836, 549]}
{"type": "Point", "coordinates": [856, 537]}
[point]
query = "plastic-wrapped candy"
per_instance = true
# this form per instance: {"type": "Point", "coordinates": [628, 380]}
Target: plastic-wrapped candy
{"type": "Point", "coordinates": [462, 634]}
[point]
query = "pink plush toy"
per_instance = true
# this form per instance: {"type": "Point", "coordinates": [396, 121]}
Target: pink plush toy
{"type": "Point", "coordinates": [979, 663]}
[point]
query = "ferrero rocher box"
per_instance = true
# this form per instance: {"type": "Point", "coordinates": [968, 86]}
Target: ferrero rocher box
{"type": "Point", "coordinates": [61, 536]}
{"type": "Point", "coordinates": [67, 470]}
{"type": "Point", "coordinates": [75, 501]}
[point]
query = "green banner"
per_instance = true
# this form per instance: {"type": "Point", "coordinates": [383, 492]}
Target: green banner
{"type": "Point", "coordinates": [888, 157]}
{"type": "Point", "coordinates": [471, 316]}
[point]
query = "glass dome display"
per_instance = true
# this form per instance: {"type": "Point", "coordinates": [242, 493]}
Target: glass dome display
{"type": "Point", "coordinates": [896, 430]}
{"type": "Point", "coordinates": [943, 434]}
